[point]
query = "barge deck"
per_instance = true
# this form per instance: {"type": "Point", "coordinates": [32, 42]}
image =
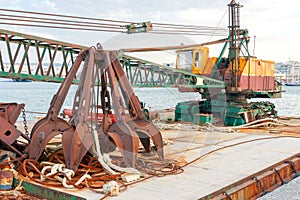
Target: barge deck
{"type": "Point", "coordinates": [219, 164]}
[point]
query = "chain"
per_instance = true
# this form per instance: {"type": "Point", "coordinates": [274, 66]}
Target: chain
{"type": "Point", "coordinates": [25, 122]}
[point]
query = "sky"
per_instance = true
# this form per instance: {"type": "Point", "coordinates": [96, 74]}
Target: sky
{"type": "Point", "coordinates": [274, 24]}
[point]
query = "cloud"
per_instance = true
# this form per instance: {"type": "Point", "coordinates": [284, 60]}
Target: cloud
{"type": "Point", "coordinates": [276, 26]}
{"type": "Point", "coordinates": [50, 5]}
{"type": "Point", "coordinates": [275, 23]}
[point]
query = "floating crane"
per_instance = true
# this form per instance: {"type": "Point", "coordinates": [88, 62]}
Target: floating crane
{"type": "Point", "coordinates": [245, 77]}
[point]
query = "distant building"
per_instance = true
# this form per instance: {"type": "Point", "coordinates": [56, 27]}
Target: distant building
{"type": "Point", "coordinates": [288, 72]}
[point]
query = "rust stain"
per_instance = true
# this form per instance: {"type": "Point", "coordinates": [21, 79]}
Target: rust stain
{"type": "Point", "coordinates": [258, 184]}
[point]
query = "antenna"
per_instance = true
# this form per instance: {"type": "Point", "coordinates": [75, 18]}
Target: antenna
{"type": "Point", "coordinates": [254, 45]}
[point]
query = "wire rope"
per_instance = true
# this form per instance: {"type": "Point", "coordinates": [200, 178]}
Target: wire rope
{"type": "Point", "coordinates": [93, 24]}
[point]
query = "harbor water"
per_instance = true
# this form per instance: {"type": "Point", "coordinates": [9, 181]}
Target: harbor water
{"type": "Point", "coordinates": [37, 97]}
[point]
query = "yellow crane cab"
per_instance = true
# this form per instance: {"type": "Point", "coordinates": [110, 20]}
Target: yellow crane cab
{"type": "Point", "coordinates": [192, 59]}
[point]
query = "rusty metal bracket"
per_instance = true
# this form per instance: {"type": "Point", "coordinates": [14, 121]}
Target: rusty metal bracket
{"type": "Point", "coordinates": [227, 196]}
{"type": "Point", "coordinates": [292, 167]}
{"type": "Point", "coordinates": [260, 185]}
{"type": "Point", "coordinates": [279, 176]}
{"type": "Point", "coordinates": [9, 113]}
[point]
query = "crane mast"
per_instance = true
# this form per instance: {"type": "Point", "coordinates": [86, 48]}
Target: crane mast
{"type": "Point", "coordinates": [234, 44]}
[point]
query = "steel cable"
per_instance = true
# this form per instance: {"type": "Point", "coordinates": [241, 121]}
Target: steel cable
{"type": "Point", "coordinates": [61, 20]}
{"type": "Point", "coordinates": [105, 29]}
{"type": "Point", "coordinates": [166, 25]}
{"type": "Point", "coordinates": [65, 16]}
{"type": "Point", "coordinates": [61, 27]}
{"type": "Point", "coordinates": [92, 24]}
{"type": "Point", "coordinates": [59, 23]}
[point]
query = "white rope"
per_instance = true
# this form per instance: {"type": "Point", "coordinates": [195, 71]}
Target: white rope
{"type": "Point", "coordinates": [69, 173]}
{"type": "Point", "coordinates": [82, 178]}
{"type": "Point", "coordinates": [105, 161]}
{"type": "Point", "coordinates": [112, 187]}
{"type": "Point", "coordinates": [43, 176]}
{"type": "Point", "coordinates": [55, 168]}
{"type": "Point", "coordinates": [11, 193]}
{"type": "Point", "coordinates": [211, 128]}
{"type": "Point", "coordinates": [99, 154]}
{"type": "Point", "coordinates": [129, 170]}
{"type": "Point", "coordinates": [176, 126]}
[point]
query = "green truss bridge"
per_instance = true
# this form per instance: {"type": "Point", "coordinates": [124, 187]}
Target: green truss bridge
{"type": "Point", "coordinates": [28, 57]}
